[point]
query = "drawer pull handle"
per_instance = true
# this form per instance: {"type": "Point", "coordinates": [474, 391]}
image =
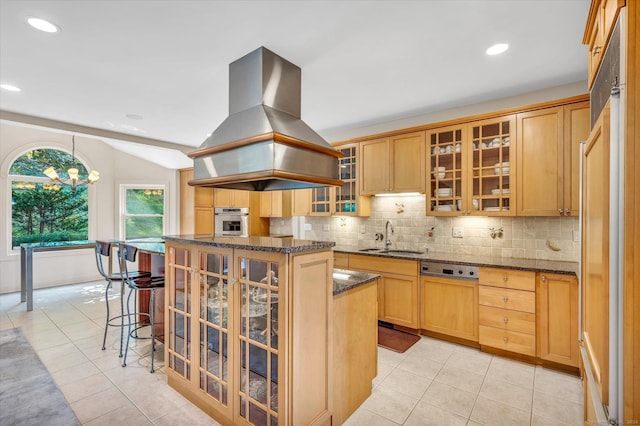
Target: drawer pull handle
{"type": "Point", "coordinates": [505, 278]}
{"type": "Point", "coordinates": [505, 339]}
{"type": "Point", "coordinates": [506, 299]}
{"type": "Point", "coordinates": [505, 320]}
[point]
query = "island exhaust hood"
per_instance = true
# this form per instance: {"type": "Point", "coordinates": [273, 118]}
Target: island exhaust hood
{"type": "Point", "coordinates": [264, 145]}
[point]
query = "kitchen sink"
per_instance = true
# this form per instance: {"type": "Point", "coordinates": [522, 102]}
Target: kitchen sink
{"type": "Point", "coordinates": [401, 252]}
{"type": "Point", "coordinates": [390, 251]}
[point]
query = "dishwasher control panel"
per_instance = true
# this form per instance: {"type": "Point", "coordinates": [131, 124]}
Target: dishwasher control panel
{"type": "Point", "coordinates": [449, 270]}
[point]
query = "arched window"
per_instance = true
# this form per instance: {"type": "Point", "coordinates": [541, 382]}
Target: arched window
{"type": "Point", "coordinates": [42, 210]}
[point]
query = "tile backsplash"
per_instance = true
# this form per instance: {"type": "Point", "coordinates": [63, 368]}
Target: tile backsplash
{"type": "Point", "coordinates": [544, 238]}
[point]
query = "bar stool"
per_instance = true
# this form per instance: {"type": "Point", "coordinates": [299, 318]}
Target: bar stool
{"type": "Point", "coordinates": [103, 256]}
{"type": "Point", "coordinates": [127, 254]}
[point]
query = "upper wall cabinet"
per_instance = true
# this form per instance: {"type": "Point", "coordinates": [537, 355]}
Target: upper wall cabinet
{"type": "Point", "coordinates": [394, 164]}
{"type": "Point", "coordinates": [231, 198]}
{"type": "Point", "coordinates": [548, 159]}
{"type": "Point", "coordinates": [470, 168]}
{"type": "Point", "coordinates": [348, 201]}
{"type": "Point", "coordinates": [600, 22]}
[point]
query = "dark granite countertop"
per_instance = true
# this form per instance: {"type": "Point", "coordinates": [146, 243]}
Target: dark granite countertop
{"type": "Point", "coordinates": [269, 244]}
{"type": "Point", "coordinates": [148, 245]}
{"type": "Point", "coordinates": [549, 266]}
{"type": "Point", "coordinates": [345, 280]}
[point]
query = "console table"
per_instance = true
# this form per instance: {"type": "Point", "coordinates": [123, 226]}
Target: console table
{"type": "Point", "coordinates": [26, 263]}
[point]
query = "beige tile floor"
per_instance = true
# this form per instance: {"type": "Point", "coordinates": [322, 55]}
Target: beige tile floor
{"type": "Point", "coordinates": [433, 383]}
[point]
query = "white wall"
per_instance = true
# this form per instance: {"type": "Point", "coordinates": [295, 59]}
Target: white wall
{"type": "Point", "coordinates": [115, 167]}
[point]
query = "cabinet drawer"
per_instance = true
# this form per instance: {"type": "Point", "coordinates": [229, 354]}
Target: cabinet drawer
{"type": "Point", "coordinates": [508, 278]}
{"type": "Point", "coordinates": [384, 264]}
{"type": "Point", "coordinates": [507, 340]}
{"type": "Point", "coordinates": [506, 319]}
{"type": "Point", "coordinates": [340, 260]}
{"type": "Point", "coordinates": [517, 300]}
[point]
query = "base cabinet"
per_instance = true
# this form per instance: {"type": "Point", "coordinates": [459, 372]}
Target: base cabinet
{"type": "Point", "coordinates": [450, 307]}
{"type": "Point", "coordinates": [355, 342]}
{"type": "Point", "coordinates": [557, 304]}
{"type": "Point", "coordinates": [508, 295]}
{"type": "Point", "coordinates": [398, 289]}
{"type": "Point", "coordinates": [242, 344]}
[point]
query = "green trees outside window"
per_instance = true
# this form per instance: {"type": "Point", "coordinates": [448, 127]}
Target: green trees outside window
{"type": "Point", "coordinates": [43, 211]}
{"type": "Point", "coordinates": [144, 212]}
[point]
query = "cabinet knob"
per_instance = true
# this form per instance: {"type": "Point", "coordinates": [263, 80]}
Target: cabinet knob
{"type": "Point", "coordinates": [543, 278]}
{"type": "Point", "coordinates": [505, 320]}
{"type": "Point", "coordinates": [596, 50]}
{"type": "Point", "coordinates": [505, 339]}
{"type": "Point", "coordinates": [505, 278]}
{"type": "Point", "coordinates": [567, 211]}
{"type": "Point", "coordinates": [234, 281]}
{"type": "Point", "coordinates": [560, 211]}
{"type": "Point", "coordinates": [506, 299]}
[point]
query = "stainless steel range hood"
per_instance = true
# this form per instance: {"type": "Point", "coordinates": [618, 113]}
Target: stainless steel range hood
{"type": "Point", "coordinates": [264, 145]}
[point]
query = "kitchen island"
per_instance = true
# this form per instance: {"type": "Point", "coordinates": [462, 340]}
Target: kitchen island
{"type": "Point", "coordinates": [249, 327]}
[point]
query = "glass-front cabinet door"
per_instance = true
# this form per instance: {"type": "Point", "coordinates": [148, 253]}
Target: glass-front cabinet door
{"type": "Point", "coordinates": [446, 192]}
{"type": "Point", "coordinates": [179, 312]}
{"type": "Point", "coordinates": [347, 194]}
{"type": "Point", "coordinates": [492, 142]}
{"type": "Point", "coordinates": [258, 335]}
{"type": "Point", "coordinates": [215, 325]}
{"type": "Point", "coordinates": [321, 201]}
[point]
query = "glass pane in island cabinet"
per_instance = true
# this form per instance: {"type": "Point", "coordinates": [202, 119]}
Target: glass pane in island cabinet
{"type": "Point", "coordinates": [258, 391]}
{"type": "Point", "coordinates": [179, 306]}
{"type": "Point", "coordinates": [446, 148]}
{"type": "Point", "coordinates": [214, 320]}
{"type": "Point", "coordinates": [491, 167]}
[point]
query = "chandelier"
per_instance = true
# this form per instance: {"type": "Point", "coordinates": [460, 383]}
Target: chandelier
{"type": "Point", "coordinates": [74, 179]}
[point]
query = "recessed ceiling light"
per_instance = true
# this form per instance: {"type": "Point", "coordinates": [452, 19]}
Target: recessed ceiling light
{"type": "Point", "coordinates": [497, 49]}
{"type": "Point", "coordinates": [9, 87]}
{"type": "Point", "coordinates": [42, 25]}
{"type": "Point", "coordinates": [134, 116]}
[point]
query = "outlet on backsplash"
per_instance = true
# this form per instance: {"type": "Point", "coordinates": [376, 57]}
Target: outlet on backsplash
{"type": "Point", "coordinates": [458, 232]}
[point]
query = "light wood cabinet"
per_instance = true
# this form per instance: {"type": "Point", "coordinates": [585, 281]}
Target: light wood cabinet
{"type": "Point", "coordinates": [595, 249]}
{"type": "Point", "coordinates": [340, 260]}
{"type": "Point", "coordinates": [355, 337]}
{"type": "Point", "coordinates": [276, 203]}
{"type": "Point", "coordinates": [398, 289]}
{"type": "Point", "coordinates": [548, 159]}
{"type": "Point", "coordinates": [196, 207]}
{"type": "Point", "coordinates": [348, 201]}
{"type": "Point", "coordinates": [471, 168]}
{"type": "Point", "coordinates": [600, 22]}
{"type": "Point", "coordinates": [449, 307]}
{"type": "Point", "coordinates": [301, 202]}
{"type": "Point", "coordinates": [576, 130]}
{"type": "Point", "coordinates": [393, 164]}
{"type": "Point", "coordinates": [507, 302]}
{"type": "Point", "coordinates": [557, 307]}
{"type": "Point", "coordinates": [232, 347]}
{"type": "Point", "coordinates": [231, 198]}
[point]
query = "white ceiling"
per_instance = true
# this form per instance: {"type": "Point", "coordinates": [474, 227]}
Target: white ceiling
{"type": "Point", "coordinates": [362, 61]}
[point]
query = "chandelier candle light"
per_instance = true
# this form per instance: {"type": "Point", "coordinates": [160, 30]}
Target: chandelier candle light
{"type": "Point", "coordinates": [74, 179]}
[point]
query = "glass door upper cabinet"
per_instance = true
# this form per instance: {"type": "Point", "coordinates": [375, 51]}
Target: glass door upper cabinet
{"type": "Point", "coordinates": [258, 338]}
{"type": "Point", "coordinates": [492, 142]}
{"type": "Point", "coordinates": [446, 147]}
{"type": "Point", "coordinates": [347, 194]}
{"type": "Point", "coordinates": [321, 201]}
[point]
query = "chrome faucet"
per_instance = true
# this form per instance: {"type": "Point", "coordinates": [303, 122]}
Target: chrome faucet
{"type": "Point", "coordinates": [387, 242]}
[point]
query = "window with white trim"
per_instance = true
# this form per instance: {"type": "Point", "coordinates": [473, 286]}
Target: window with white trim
{"type": "Point", "coordinates": [143, 211]}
